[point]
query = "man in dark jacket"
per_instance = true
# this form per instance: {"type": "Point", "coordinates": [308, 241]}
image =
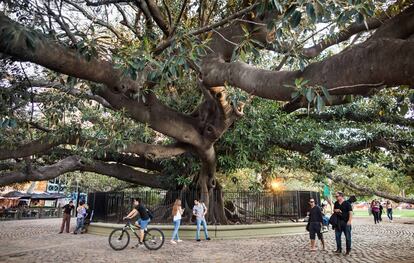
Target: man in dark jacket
{"type": "Point", "coordinates": [315, 225]}
{"type": "Point", "coordinates": [343, 211]}
{"type": "Point", "coordinates": [67, 211]}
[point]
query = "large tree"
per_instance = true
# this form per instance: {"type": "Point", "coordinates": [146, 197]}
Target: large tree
{"type": "Point", "coordinates": [129, 89]}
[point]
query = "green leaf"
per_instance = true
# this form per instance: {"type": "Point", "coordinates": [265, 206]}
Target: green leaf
{"type": "Point", "coordinates": [310, 95]}
{"type": "Point", "coordinates": [404, 109]}
{"type": "Point", "coordinates": [277, 5]}
{"type": "Point", "coordinates": [320, 103]}
{"type": "Point", "coordinates": [298, 81]}
{"type": "Point", "coordinates": [295, 95]}
{"type": "Point", "coordinates": [5, 123]}
{"type": "Point", "coordinates": [310, 10]}
{"type": "Point", "coordinates": [326, 94]}
{"type": "Point", "coordinates": [295, 19]}
{"type": "Point", "coordinates": [12, 123]}
{"type": "Point", "coordinates": [289, 11]}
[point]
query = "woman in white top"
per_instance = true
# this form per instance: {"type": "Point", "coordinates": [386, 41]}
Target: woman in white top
{"type": "Point", "coordinates": [176, 213]}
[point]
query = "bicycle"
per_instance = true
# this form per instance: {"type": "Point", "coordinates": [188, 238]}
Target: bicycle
{"type": "Point", "coordinates": [119, 238]}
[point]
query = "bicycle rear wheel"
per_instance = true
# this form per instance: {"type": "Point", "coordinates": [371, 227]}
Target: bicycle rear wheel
{"type": "Point", "coordinates": [153, 239]}
{"type": "Point", "coordinates": [119, 239]}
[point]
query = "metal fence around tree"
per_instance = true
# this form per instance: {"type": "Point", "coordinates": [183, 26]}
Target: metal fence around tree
{"type": "Point", "coordinates": [242, 207]}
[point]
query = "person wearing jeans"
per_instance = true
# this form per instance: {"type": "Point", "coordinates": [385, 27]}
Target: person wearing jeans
{"type": "Point", "coordinates": [389, 210]}
{"type": "Point", "coordinates": [343, 210]}
{"type": "Point", "coordinates": [177, 212]}
{"type": "Point", "coordinates": [200, 211]}
{"type": "Point", "coordinates": [80, 219]}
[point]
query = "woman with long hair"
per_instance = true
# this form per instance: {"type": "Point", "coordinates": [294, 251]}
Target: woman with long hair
{"type": "Point", "coordinates": [177, 212]}
{"type": "Point", "coordinates": [375, 210]}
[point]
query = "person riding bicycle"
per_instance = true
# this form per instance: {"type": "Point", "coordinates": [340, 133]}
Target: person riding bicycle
{"type": "Point", "coordinates": [143, 220]}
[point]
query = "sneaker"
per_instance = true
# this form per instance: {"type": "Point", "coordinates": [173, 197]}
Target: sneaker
{"type": "Point", "coordinates": [173, 242]}
{"type": "Point", "coordinates": [179, 241]}
{"type": "Point", "coordinates": [208, 238]}
{"type": "Point", "coordinates": [347, 252]}
{"type": "Point", "coordinates": [60, 232]}
{"type": "Point", "coordinates": [198, 240]}
{"type": "Point", "coordinates": [338, 251]}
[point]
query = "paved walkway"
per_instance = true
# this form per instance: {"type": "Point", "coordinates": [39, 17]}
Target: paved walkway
{"type": "Point", "coordinates": [38, 241]}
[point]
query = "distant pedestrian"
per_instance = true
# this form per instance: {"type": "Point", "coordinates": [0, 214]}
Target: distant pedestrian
{"type": "Point", "coordinates": [67, 211]}
{"type": "Point", "coordinates": [325, 217]}
{"type": "Point", "coordinates": [343, 211]}
{"type": "Point", "coordinates": [80, 218]}
{"type": "Point", "coordinates": [375, 210]}
{"type": "Point", "coordinates": [177, 212]}
{"type": "Point", "coordinates": [381, 209]}
{"type": "Point", "coordinates": [315, 225]}
{"type": "Point", "coordinates": [200, 211]}
{"type": "Point", "coordinates": [389, 210]}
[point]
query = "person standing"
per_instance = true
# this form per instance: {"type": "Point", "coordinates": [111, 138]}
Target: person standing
{"type": "Point", "coordinates": [80, 218]}
{"type": "Point", "coordinates": [375, 210]}
{"type": "Point", "coordinates": [67, 211]}
{"type": "Point", "coordinates": [381, 209]}
{"type": "Point", "coordinates": [343, 210]}
{"type": "Point", "coordinates": [325, 217]}
{"type": "Point", "coordinates": [200, 211]}
{"type": "Point", "coordinates": [389, 210]}
{"type": "Point", "coordinates": [177, 212]}
{"type": "Point", "coordinates": [315, 225]}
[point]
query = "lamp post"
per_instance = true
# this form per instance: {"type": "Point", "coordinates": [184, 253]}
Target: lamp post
{"type": "Point", "coordinates": [77, 195]}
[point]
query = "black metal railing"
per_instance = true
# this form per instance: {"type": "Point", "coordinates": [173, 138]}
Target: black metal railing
{"type": "Point", "coordinates": [30, 213]}
{"type": "Point", "coordinates": [242, 206]}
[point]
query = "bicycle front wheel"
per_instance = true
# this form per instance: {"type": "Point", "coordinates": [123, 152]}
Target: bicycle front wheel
{"type": "Point", "coordinates": [153, 239]}
{"type": "Point", "coordinates": [119, 239]}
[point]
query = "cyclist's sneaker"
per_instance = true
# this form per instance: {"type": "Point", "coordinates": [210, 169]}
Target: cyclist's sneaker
{"type": "Point", "coordinates": [198, 240]}
{"type": "Point", "coordinates": [138, 245]}
{"type": "Point", "coordinates": [208, 238]}
{"type": "Point", "coordinates": [173, 242]}
{"type": "Point", "coordinates": [179, 240]}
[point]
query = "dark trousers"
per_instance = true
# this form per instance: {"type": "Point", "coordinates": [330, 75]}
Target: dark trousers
{"type": "Point", "coordinates": [65, 222]}
{"type": "Point", "coordinates": [338, 234]}
{"type": "Point", "coordinates": [376, 217]}
{"type": "Point", "coordinates": [389, 213]}
{"type": "Point", "coordinates": [315, 229]}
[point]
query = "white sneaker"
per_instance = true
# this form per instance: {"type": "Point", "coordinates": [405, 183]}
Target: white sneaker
{"type": "Point", "coordinates": [179, 241]}
{"type": "Point", "coordinates": [173, 242]}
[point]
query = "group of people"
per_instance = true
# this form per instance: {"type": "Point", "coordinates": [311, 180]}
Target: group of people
{"type": "Point", "coordinates": [341, 221]}
{"type": "Point", "coordinates": [199, 212]}
{"type": "Point", "coordinates": [81, 217]}
{"type": "Point", "coordinates": [376, 209]}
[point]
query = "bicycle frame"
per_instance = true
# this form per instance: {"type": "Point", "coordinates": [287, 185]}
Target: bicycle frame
{"type": "Point", "coordinates": [132, 228]}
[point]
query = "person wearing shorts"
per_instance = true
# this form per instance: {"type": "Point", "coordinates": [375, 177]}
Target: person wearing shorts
{"type": "Point", "coordinates": [315, 225]}
{"type": "Point", "coordinates": [144, 218]}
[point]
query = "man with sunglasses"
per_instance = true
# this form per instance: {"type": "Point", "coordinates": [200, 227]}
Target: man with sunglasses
{"type": "Point", "coordinates": [343, 210]}
{"type": "Point", "coordinates": [315, 224]}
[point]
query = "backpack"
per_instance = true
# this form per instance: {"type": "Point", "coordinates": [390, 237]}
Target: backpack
{"type": "Point", "coordinates": [150, 214]}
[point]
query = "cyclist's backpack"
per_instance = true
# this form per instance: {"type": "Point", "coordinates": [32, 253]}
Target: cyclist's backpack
{"type": "Point", "coordinates": [150, 214]}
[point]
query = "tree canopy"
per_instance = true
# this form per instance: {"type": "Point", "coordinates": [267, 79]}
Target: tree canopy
{"type": "Point", "coordinates": [168, 93]}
